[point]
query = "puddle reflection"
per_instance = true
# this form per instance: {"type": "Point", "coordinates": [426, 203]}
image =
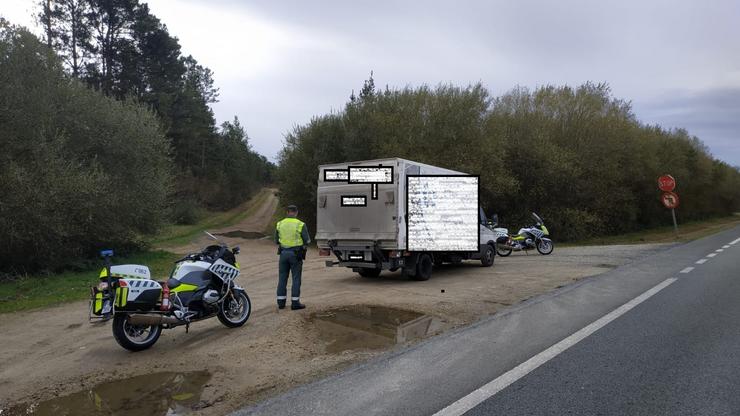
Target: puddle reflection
{"type": "Point", "coordinates": [155, 394]}
{"type": "Point", "coordinates": [371, 327]}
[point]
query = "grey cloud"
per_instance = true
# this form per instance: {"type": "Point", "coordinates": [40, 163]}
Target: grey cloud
{"type": "Point", "coordinates": [712, 115]}
{"type": "Point", "coordinates": [642, 49]}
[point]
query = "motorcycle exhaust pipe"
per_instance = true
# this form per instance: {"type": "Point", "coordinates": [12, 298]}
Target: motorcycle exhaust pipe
{"type": "Point", "coordinates": [152, 319]}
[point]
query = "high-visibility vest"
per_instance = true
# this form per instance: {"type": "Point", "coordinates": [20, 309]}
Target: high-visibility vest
{"type": "Point", "coordinates": [289, 232]}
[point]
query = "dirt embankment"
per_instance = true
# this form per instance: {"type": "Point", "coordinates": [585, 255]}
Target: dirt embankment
{"type": "Point", "coordinates": [53, 352]}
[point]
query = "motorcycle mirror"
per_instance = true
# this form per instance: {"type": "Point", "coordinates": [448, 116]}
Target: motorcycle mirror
{"type": "Point", "coordinates": [236, 250]}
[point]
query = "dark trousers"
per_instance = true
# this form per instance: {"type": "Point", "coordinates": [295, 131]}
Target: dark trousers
{"type": "Point", "coordinates": [291, 263]}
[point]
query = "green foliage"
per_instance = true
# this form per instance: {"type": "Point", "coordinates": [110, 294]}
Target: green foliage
{"type": "Point", "coordinates": [78, 171]}
{"type": "Point", "coordinates": [120, 48]}
{"type": "Point", "coordinates": [577, 156]}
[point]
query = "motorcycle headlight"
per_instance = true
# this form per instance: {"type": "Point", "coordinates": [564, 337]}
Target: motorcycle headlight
{"type": "Point", "coordinates": [102, 285]}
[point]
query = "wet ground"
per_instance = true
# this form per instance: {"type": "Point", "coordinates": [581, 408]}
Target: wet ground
{"type": "Point", "coordinates": [156, 394]}
{"type": "Point", "coordinates": [371, 327]}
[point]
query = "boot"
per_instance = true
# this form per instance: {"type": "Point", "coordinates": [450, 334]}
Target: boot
{"type": "Point", "coordinates": [281, 303]}
{"type": "Point", "coordinates": [295, 305]}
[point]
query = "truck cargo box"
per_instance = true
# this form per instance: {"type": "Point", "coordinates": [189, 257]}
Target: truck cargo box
{"type": "Point", "coordinates": [359, 210]}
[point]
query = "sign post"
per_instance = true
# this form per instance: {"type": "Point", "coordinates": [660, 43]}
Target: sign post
{"type": "Point", "coordinates": [667, 184]}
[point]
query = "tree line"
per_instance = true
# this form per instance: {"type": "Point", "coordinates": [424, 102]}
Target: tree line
{"type": "Point", "coordinates": [118, 47]}
{"type": "Point", "coordinates": [107, 135]}
{"type": "Point", "coordinates": [577, 156]}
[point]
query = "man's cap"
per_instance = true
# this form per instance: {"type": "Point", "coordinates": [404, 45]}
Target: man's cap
{"type": "Point", "coordinates": [292, 208]}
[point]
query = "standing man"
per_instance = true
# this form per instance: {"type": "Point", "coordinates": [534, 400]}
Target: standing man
{"type": "Point", "coordinates": [291, 236]}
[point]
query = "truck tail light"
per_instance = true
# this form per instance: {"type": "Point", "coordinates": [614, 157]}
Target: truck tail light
{"type": "Point", "coordinates": [324, 252]}
{"type": "Point", "coordinates": [394, 254]}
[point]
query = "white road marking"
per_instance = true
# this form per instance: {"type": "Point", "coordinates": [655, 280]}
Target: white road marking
{"type": "Point", "coordinates": [711, 254]}
{"type": "Point", "coordinates": [702, 261]}
{"type": "Point", "coordinates": [735, 242]}
{"type": "Point", "coordinates": [687, 270]}
{"type": "Point", "coordinates": [726, 246]}
{"type": "Point", "coordinates": [483, 393]}
{"type": "Point", "coordinates": [719, 250]}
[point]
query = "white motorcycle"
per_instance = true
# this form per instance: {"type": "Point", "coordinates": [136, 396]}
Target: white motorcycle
{"type": "Point", "coordinates": [201, 286]}
{"type": "Point", "coordinates": [528, 238]}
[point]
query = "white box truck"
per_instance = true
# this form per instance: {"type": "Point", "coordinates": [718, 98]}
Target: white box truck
{"type": "Point", "coordinates": [390, 214]}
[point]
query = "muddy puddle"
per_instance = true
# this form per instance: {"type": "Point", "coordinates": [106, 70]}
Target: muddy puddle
{"type": "Point", "coordinates": [371, 327]}
{"type": "Point", "coordinates": [156, 394]}
{"type": "Point", "coordinates": [247, 235]}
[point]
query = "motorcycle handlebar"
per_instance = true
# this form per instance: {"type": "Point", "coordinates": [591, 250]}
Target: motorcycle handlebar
{"type": "Point", "coordinates": [199, 256]}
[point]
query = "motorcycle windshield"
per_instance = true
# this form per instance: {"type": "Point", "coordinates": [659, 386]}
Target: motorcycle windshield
{"type": "Point", "coordinates": [537, 218]}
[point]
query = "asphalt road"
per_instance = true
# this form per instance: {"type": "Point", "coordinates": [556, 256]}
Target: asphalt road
{"type": "Point", "coordinates": [658, 336]}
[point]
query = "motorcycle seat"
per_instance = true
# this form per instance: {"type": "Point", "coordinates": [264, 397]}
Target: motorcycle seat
{"type": "Point", "coordinates": [173, 283]}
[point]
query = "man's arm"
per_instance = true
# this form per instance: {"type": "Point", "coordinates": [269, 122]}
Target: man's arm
{"type": "Point", "coordinates": [276, 236]}
{"type": "Point", "coordinates": [304, 235]}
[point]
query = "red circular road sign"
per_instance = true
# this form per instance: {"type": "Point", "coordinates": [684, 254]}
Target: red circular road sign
{"type": "Point", "coordinates": [669, 200]}
{"type": "Point", "coordinates": [666, 183]}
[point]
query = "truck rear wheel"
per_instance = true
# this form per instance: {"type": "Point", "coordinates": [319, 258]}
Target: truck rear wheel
{"type": "Point", "coordinates": [369, 272]}
{"type": "Point", "coordinates": [424, 266]}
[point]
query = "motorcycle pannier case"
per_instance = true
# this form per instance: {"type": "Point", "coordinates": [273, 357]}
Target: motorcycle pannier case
{"type": "Point", "coordinates": [137, 294]}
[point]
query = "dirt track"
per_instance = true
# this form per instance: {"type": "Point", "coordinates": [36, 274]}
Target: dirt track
{"type": "Point", "coordinates": [51, 352]}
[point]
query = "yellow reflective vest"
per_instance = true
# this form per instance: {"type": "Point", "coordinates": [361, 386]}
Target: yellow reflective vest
{"type": "Point", "coordinates": [289, 232]}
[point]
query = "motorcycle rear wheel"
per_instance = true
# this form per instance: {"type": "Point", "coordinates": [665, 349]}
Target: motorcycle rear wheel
{"type": "Point", "coordinates": [134, 337]}
{"type": "Point", "coordinates": [503, 252]}
{"type": "Point", "coordinates": [235, 309]}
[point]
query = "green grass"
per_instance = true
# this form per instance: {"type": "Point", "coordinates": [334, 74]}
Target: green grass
{"type": "Point", "coordinates": [178, 235]}
{"type": "Point", "coordinates": [47, 290]}
{"type": "Point", "coordinates": [686, 232]}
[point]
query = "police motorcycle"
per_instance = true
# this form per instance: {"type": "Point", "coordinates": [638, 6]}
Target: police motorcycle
{"type": "Point", "coordinates": [528, 238]}
{"type": "Point", "coordinates": [201, 286]}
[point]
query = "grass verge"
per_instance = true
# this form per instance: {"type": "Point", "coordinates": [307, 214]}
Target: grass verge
{"type": "Point", "coordinates": [39, 291]}
{"type": "Point", "coordinates": [686, 232]}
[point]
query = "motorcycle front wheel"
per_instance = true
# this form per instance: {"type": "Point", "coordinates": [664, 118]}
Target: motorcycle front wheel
{"type": "Point", "coordinates": [545, 247]}
{"type": "Point", "coordinates": [134, 337]}
{"type": "Point", "coordinates": [235, 309]}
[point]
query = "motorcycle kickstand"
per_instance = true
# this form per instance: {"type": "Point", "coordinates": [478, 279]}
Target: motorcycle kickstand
{"type": "Point", "coordinates": [187, 327]}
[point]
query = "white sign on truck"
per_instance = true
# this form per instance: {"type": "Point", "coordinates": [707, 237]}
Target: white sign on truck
{"type": "Point", "coordinates": [442, 213]}
{"type": "Point", "coordinates": [370, 174]}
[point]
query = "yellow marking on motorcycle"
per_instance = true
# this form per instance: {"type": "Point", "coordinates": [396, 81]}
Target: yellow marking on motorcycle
{"type": "Point", "coordinates": [121, 296]}
{"type": "Point", "coordinates": [98, 306]}
{"type": "Point", "coordinates": [184, 287]}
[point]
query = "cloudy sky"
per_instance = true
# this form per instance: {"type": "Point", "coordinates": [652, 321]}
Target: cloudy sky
{"type": "Point", "coordinates": [280, 62]}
